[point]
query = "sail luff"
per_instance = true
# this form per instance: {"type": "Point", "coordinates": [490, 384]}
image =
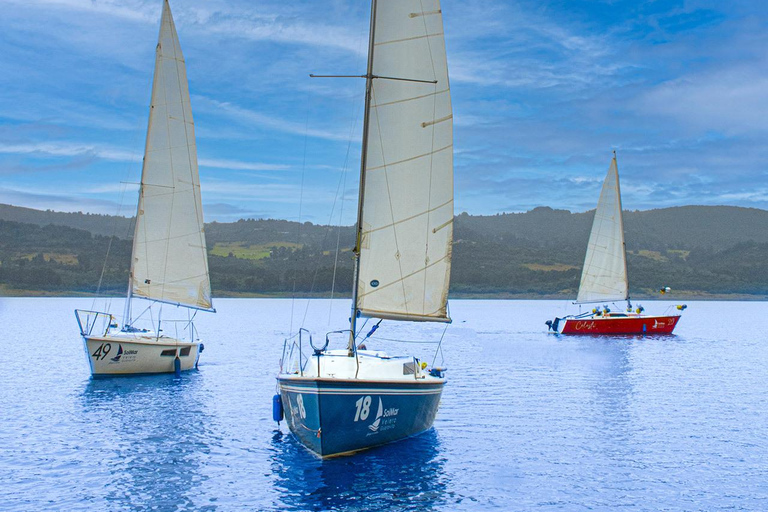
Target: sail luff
{"type": "Point", "coordinates": [407, 217]}
{"type": "Point", "coordinates": [127, 314]}
{"type": "Point", "coordinates": [604, 276]}
{"type": "Point", "coordinates": [621, 224]}
{"type": "Point", "coordinates": [169, 259]}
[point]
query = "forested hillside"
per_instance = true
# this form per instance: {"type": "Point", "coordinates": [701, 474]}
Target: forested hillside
{"type": "Point", "coordinates": [693, 249]}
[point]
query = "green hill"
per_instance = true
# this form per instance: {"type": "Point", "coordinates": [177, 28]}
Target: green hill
{"type": "Point", "coordinates": [693, 249]}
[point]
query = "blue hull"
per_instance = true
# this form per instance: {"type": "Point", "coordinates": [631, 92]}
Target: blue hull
{"type": "Point", "coordinates": [336, 417]}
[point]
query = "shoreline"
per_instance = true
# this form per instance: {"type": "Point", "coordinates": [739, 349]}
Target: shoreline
{"type": "Point", "coordinates": [679, 296]}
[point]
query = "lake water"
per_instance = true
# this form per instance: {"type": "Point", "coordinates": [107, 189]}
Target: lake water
{"type": "Point", "coordinates": [528, 421]}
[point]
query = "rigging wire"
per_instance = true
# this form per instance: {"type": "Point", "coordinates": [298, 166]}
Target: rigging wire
{"type": "Point", "coordinates": [301, 204]}
{"type": "Point", "coordinates": [127, 171]}
{"type": "Point", "coordinates": [340, 187]}
{"type": "Point", "coordinates": [339, 193]}
{"type": "Point", "coordinates": [338, 227]}
{"type": "Point", "coordinates": [439, 348]}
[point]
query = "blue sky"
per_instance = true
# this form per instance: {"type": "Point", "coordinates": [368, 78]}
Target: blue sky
{"type": "Point", "coordinates": [542, 91]}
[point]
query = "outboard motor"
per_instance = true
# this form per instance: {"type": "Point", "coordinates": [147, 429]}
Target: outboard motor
{"type": "Point", "coordinates": [553, 324]}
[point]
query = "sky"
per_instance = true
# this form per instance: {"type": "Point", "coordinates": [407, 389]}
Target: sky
{"type": "Point", "coordinates": [543, 91]}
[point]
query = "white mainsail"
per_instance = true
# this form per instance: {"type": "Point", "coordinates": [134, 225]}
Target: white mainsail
{"type": "Point", "coordinates": [407, 212]}
{"type": "Point", "coordinates": [169, 261]}
{"type": "Point", "coordinates": [604, 277]}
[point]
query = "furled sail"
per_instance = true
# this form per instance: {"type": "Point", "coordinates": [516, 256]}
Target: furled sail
{"type": "Point", "coordinates": [169, 254]}
{"type": "Point", "coordinates": [604, 277]}
{"type": "Point", "coordinates": [407, 212]}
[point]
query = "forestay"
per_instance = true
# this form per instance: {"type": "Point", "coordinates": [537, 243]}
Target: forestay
{"type": "Point", "coordinates": [169, 254]}
{"type": "Point", "coordinates": [407, 212]}
{"type": "Point", "coordinates": [604, 277]}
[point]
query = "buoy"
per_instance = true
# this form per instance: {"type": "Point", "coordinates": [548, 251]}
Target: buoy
{"type": "Point", "coordinates": [277, 408]}
{"type": "Point", "coordinates": [177, 367]}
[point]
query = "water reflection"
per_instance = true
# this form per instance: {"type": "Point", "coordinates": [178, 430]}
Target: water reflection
{"type": "Point", "coordinates": [405, 475]}
{"type": "Point", "coordinates": [152, 431]}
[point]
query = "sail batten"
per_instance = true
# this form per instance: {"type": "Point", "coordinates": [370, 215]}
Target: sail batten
{"type": "Point", "coordinates": [407, 212]}
{"type": "Point", "coordinates": [604, 276]}
{"type": "Point", "coordinates": [169, 261]}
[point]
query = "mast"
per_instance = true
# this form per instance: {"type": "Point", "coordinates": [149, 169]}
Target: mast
{"type": "Point", "coordinates": [127, 311]}
{"type": "Point", "coordinates": [621, 223]}
{"type": "Point", "coordinates": [361, 196]}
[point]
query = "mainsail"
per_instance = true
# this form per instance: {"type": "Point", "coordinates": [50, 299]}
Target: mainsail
{"type": "Point", "coordinates": [604, 277]}
{"type": "Point", "coordinates": [169, 262]}
{"type": "Point", "coordinates": [407, 211]}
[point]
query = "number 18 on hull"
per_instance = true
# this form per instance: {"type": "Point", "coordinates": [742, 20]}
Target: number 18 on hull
{"type": "Point", "coordinates": [363, 414]}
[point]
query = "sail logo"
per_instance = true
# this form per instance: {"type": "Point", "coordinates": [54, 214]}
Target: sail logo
{"type": "Point", "coordinates": [374, 427]}
{"type": "Point", "coordinates": [124, 356]}
{"type": "Point", "coordinates": [384, 420]}
{"type": "Point", "coordinates": [116, 359]}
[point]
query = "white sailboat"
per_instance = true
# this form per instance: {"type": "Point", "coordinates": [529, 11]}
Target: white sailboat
{"type": "Point", "coordinates": [169, 263]}
{"type": "Point", "coordinates": [402, 250]}
{"type": "Point", "coordinates": [604, 276]}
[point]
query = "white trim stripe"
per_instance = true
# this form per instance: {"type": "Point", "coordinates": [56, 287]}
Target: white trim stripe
{"type": "Point", "coordinates": [358, 391]}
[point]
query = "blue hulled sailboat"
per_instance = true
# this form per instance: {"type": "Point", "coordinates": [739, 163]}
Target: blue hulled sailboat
{"type": "Point", "coordinates": [344, 400]}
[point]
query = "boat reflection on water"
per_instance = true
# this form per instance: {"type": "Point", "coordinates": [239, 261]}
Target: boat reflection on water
{"type": "Point", "coordinates": [150, 431]}
{"type": "Point", "coordinates": [408, 474]}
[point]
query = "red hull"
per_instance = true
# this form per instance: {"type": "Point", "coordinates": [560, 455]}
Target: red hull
{"type": "Point", "coordinates": [622, 325]}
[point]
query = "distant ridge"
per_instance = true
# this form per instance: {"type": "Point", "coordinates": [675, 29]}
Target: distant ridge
{"type": "Point", "coordinates": [696, 250]}
{"type": "Point", "coordinates": [681, 227]}
{"type": "Point", "coordinates": [105, 225]}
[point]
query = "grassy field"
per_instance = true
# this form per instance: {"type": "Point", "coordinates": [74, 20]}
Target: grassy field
{"type": "Point", "coordinates": [64, 259]}
{"type": "Point", "coordinates": [682, 254]}
{"type": "Point", "coordinates": [249, 252]}
{"type": "Point", "coordinates": [653, 255]}
{"type": "Point", "coordinates": [558, 267]}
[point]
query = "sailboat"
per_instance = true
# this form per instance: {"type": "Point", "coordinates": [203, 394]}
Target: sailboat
{"type": "Point", "coordinates": [604, 276]}
{"type": "Point", "coordinates": [169, 264]}
{"type": "Point", "coordinates": [340, 401]}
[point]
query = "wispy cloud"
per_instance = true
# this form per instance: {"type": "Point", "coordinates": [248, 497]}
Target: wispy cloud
{"type": "Point", "coordinates": [73, 149]}
{"type": "Point", "coordinates": [127, 9]}
{"type": "Point", "coordinates": [250, 117]}
{"type": "Point", "coordinates": [542, 92]}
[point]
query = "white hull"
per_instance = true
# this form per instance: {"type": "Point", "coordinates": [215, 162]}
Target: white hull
{"type": "Point", "coordinates": [135, 354]}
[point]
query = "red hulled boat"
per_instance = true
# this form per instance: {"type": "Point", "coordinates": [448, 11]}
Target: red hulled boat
{"type": "Point", "coordinates": [604, 277]}
{"type": "Point", "coordinates": [616, 323]}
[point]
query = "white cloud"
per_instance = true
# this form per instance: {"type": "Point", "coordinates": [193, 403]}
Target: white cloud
{"type": "Point", "coordinates": [120, 155]}
{"type": "Point", "coordinates": [127, 9]}
{"type": "Point", "coordinates": [252, 117]}
{"type": "Point", "coordinates": [69, 150]}
{"type": "Point", "coordinates": [729, 100]}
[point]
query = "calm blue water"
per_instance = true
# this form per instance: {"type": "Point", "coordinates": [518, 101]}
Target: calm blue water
{"type": "Point", "coordinates": [528, 421]}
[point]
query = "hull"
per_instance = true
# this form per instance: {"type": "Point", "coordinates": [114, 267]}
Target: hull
{"type": "Point", "coordinates": [621, 325]}
{"type": "Point", "coordinates": [335, 417]}
{"type": "Point", "coordinates": [123, 355]}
